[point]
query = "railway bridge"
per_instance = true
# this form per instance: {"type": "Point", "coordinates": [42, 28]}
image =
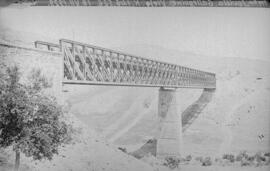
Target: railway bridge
{"type": "Point", "coordinates": [85, 64]}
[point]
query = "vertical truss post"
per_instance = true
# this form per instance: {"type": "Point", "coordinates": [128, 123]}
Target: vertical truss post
{"type": "Point", "coordinates": [84, 62]}
{"type": "Point", "coordinates": [73, 64]}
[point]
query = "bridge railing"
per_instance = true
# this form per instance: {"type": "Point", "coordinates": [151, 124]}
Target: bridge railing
{"type": "Point", "coordinates": [88, 64]}
{"type": "Point", "coordinates": [47, 46]}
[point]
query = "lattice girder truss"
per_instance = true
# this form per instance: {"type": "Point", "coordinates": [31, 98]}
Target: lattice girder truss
{"type": "Point", "coordinates": [87, 64]}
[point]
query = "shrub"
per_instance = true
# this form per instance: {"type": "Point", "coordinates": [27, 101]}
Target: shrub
{"type": "Point", "coordinates": [245, 162]}
{"type": "Point", "coordinates": [151, 141]}
{"type": "Point", "coordinates": [172, 162]}
{"type": "Point", "coordinates": [123, 149]}
{"type": "Point", "coordinates": [259, 158]}
{"type": "Point", "coordinates": [229, 157]}
{"type": "Point", "coordinates": [267, 154]}
{"type": "Point", "coordinates": [206, 161]}
{"type": "Point", "coordinates": [30, 121]}
{"type": "Point", "coordinates": [242, 155]}
{"type": "Point", "coordinates": [185, 160]}
{"type": "Point", "coordinates": [267, 158]}
{"type": "Point", "coordinates": [245, 159]}
{"type": "Point", "coordinates": [188, 158]}
{"type": "Point", "coordinates": [250, 158]}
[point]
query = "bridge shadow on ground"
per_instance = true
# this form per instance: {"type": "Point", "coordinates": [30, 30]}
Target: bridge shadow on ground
{"type": "Point", "coordinates": [193, 111]}
{"type": "Point", "coordinates": [188, 117]}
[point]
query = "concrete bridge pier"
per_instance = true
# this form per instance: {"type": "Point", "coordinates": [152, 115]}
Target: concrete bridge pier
{"type": "Point", "coordinates": [169, 142]}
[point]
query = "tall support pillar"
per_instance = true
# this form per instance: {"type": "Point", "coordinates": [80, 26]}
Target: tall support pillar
{"type": "Point", "coordinates": [169, 143]}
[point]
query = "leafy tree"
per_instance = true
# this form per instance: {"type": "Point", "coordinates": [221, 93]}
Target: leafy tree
{"type": "Point", "coordinates": [30, 121]}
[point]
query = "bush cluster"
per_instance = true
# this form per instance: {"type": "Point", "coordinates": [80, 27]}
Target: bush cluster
{"type": "Point", "coordinates": [229, 157]}
{"type": "Point", "coordinates": [172, 162]}
{"type": "Point", "coordinates": [257, 159]}
{"type": "Point", "coordinates": [243, 159]}
{"type": "Point", "coordinates": [206, 161]}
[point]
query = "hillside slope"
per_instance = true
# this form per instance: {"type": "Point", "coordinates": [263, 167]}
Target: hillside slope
{"type": "Point", "coordinates": [239, 112]}
{"type": "Point", "coordinates": [87, 152]}
{"type": "Point", "coordinates": [236, 118]}
{"type": "Point", "coordinates": [233, 121]}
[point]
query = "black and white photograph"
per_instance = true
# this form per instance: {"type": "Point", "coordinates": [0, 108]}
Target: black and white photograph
{"type": "Point", "coordinates": [134, 85]}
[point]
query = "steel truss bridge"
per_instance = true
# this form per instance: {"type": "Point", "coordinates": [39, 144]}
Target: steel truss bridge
{"type": "Point", "coordinates": [92, 65]}
{"type": "Point", "coordinates": [88, 64]}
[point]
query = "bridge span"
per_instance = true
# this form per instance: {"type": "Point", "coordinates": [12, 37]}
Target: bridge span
{"type": "Point", "coordinates": [93, 65]}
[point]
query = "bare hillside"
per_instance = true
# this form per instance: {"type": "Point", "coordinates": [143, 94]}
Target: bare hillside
{"type": "Point", "coordinates": [235, 119]}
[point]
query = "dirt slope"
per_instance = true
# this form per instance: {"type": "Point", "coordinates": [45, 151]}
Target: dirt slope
{"type": "Point", "coordinates": [238, 113]}
{"type": "Point", "coordinates": [237, 118]}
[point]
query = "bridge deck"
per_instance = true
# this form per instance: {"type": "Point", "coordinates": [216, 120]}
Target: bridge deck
{"type": "Point", "coordinates": [79, 82]}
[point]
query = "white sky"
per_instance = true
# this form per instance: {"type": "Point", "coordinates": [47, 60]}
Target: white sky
{"type": "Point", "coordinates": [225, 32]}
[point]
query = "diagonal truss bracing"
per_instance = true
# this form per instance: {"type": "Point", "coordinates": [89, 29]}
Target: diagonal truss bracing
{"type": "Point", "coordinates": [87, 64]}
